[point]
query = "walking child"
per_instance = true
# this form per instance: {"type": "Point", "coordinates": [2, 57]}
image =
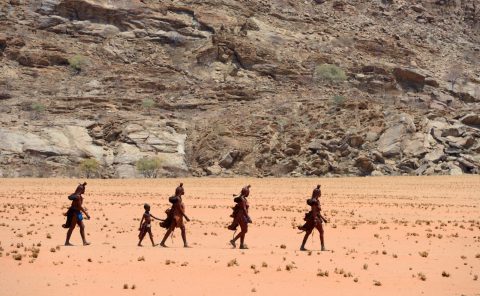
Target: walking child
{"type": "Point", "coordinates": [146, 225]}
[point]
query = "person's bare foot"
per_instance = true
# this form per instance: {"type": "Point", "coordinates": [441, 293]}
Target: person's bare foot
{"type": "Point", "coordinates": [323, 248]}
{"type": "Point", "coordinates": [139, 245]}
{"type": "Point", "coordinates": [154, 245]}
{"type": "Point", "coordinates": [303, 249]}
{"type": "Point", "coordinates": [232, 242]}
{"type": "Point", "coordinates": [163, 245]}
{"type": "Point", "coordinates": [68, 245]}
{"type": "Point", "coordinates": [244, 247]}
{"type": "Point", "coordinates": [186, 246]}
{"type": "Point", "coordinates": [86, 243]}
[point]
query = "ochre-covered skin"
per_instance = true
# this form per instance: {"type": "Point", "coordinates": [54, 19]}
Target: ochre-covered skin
{"type": "Point", "coordinates": [74, 215]}
{"type": "Point", "coordinates": [313, 219]}
{"type": "Point", "coordinates": [241, 217]}
{"type": "Point", "coordinates": [179, 191]}
{"type": "Point", "coordinates": [317, 193]}
{"type": "Point", "coordinates": [177, 213]}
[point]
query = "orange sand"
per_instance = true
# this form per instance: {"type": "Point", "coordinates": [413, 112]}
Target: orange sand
{"type": "Point", "coordinates": [380, 222]}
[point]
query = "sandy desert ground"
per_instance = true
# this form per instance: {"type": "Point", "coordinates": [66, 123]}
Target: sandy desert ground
{"type": "Point", "coordinates": [386, 236]}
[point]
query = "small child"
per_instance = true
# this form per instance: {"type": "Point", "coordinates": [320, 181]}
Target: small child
{"type": "Point", "coordinates": [146, 226]}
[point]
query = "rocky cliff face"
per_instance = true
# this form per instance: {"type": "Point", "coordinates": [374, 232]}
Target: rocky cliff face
{"type": "Point", "coordinates": [221, 87]}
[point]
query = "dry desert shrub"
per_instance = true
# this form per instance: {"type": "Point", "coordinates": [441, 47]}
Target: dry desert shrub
{"type": "Point", "coordinates": [423, 254]}
{"type": "Point", "coordinates": [232, 262]}
{"type": "Point", "coordinates": [290, 267]}
{"type": "Point", "coordinates": [422, 276]}
{"type": "Point", "coordinates": [322, 273]}
{"type": "Point", "coordinates": [89, 167]}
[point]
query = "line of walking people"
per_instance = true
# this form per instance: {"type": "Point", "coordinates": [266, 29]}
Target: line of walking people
{"type": "Point", "coordinates": [176, 215]}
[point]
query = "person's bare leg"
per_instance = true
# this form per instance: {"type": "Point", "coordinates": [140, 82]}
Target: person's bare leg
{"type": "Point", "coordinates": [167, 234]}
{"type": "Point", "coordinates": [305, 238]}
{"type": "Point", "coordinates": [184, 237]}
{"type": "Point", "coordinates": [70, 231]}
{"type": "Point", "coordinates": [82, 233]}
{"type": "Point", "coordinates": [232, 242]}
{"type": "Point", "coordinates": [141, 239]}
{"type": "Point", "coordinates": [242, 241]}
{"type": "Point", "coordinates": [322, 242]}
{"type": "Point", "coordinates": [244, 231]}
{"type": "Point", "coordinates": [151, 237]}
{"type": "Point", "coordinates": [69, 235]}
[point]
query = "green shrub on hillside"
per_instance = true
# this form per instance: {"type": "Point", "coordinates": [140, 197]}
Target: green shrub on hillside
{"type": "Point", "coordinates": [77, 63]}
{"type": "Point", "coordinates": [89, 167]}
{"type": "Point", "coordinates": [330, 73]}
{"type": "Point", "coordinates": [149, 166]}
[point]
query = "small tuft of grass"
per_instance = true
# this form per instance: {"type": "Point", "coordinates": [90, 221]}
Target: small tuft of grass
{"type": "Point", "coordinates": [289, 267]}
{"type": "Point", "coordinates": [232, 262]}
{"type": "Point", "coordinates": [445, 274]}
{"type": "Point", "coordinates": [322, 273]}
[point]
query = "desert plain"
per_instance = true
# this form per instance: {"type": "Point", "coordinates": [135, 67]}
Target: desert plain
{"type": "Point", "coordinates": [385, 236]}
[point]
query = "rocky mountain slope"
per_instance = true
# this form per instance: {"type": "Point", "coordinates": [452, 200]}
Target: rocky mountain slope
{"type": "Point", "coordinates": [223, 87]}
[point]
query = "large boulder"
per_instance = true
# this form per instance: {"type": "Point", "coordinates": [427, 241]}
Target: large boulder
{"type": "Point", "coordinates": [435, 155]}
{"type": "Point", "coordinates": [391, 141]}
{"type": "Point", "coordinates": [417, 146]}
{"type": "Point", "coordinates": [364, 164]}
{"type": "Point", "coordinates": [317, 145]}
{"type": "Point", "coordinates": [54, 141]}
{"type": "Point", "coordinates": [472, 119]}
{"type": "Point", "coordinates": [19, 142]}
{"type": "Point", "coordinates": [355, 141]}
{"type": "Point", "coordinates": [229, 159]}
{"type": "Point", "coordinates": [454, 170]}
{"type": "Point", "coordinates": [127, 154]}
{"type": "Point", "coordinates": [214, 170]}
{"type": "Point", "coordinates": [409, 78]}
{"type": "Point", "coordinates": [284, 167]}
{"type": "Point", "coordinates": [38, 58]}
